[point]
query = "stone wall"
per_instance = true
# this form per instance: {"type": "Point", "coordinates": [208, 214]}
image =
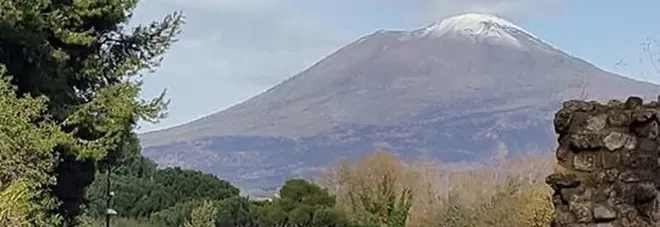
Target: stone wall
{"type": "Point", "coordinates": [608, 159]}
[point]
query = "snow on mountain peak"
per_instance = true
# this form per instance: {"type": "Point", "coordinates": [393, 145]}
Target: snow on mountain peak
{"type": "Point", "coordinates": [477, 25]}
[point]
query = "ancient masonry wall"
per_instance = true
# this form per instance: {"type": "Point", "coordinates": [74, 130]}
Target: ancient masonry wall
{"type": "Point", "coordinates": [608, 159]}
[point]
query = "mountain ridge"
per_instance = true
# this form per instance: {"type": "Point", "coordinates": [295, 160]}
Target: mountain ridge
{"type": "Point", "coordinates": [450, 97]}
{"type": "Point", "coordinates": [486, 17]}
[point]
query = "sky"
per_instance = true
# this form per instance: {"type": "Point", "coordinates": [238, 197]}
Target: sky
{"type": "Point", "coordinates": [231, 50]}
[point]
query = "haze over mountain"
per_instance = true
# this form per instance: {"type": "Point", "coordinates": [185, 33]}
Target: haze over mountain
{"type": "Point", "coordinates": [457, 90]}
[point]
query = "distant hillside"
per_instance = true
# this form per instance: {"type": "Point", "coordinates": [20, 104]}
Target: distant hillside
{"type": "Point", "coordinates": [457, 90]}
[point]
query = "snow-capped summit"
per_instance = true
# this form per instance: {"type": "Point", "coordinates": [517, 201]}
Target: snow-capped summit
{"type": "Point", "coordinates": [451, 98]}
{"type": "Point", "coordinates": [481, 27]}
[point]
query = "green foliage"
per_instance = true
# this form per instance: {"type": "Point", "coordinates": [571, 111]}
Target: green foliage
{"type": "Point", "coordinates": [139, 197]}
{"type": "Point", "coordinates": [86, 221]}
{"type": "Point", "coordinates": [81, 56]}
{"type": "Point", "coordinates": [381, 205]}
{"type": "Point", "coordinates": [270, 215]}
{"type": "Point", "coordinates": [301, 192]}
{"type": "Point", "coordinates": [203, 216]}
{"type": "Point", "coordinates": [27, 140]}
{"type": "Point", "coordinates": [15, 204]}
{"type": "Point", "coordinates": [25, 158]}
{"type": "Point", "coordinates": [190, 184]}
{"type": "Point", "coordinates": [125, 222]}
{"type": "Point", "coordinates": [176, 215]}
{"type": "Point", "coordinates": [134, 197]}
{"type": "Point", "coordinates": [235, 211]}
{"type": "Point", "coordinates": [327, 217]}
{"type": "Point", "coordinates": [128, 160]}
{"type": "Point", "coordinates": [163, 197]}
{"type": "Point", "coordinates": [301, 203]}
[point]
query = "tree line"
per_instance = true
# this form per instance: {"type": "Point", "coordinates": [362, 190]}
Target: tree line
{"type": "Point", "coordinates": [378, 190]}
{"type": "Point", "coordinates": [70, 81]}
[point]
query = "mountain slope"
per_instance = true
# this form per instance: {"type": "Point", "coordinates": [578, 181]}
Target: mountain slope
{"type": "Point", "coordinates": [458, 90]}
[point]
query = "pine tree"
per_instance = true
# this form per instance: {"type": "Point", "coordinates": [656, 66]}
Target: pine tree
{"type": "Point", "coordinates": [83, 58]}
{"type": "Point", "coordinates": [27, 139]}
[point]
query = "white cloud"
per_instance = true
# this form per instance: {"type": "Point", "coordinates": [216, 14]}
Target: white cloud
{"type": "Point", "coordinates": [433, 10]}
{"type": "Point", "coordinates": [227, 4]}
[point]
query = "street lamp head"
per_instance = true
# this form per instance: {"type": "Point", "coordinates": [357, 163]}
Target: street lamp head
{"type": "Point", "coordinates": [111, 212]}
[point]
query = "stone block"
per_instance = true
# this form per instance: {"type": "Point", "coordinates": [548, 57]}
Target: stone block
{"type": "Point", "coordinates": [618, 118]}
{"type": "Point", "coordinates": [611, 153]}
{"type": "Point", "coordinates": [585, 141]}
{"type": "Point", "coordinates": [604, 213]}
{"type": "Point", "coordinates": [616, 140]}
{"type": "Point", "coordinates": [585, 161]}
{"type": "Point", "coordinates": [597, 123]}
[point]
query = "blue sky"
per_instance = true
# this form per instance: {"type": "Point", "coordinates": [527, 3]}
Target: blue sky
{"type": "Point", "coordinates": [231, 50]}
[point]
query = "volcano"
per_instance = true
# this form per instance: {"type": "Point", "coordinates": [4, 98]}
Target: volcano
{"type": "Point", "coordinates": [460, 89]}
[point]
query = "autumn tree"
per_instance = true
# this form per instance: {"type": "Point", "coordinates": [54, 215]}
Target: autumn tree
{"type": "Point", "coordinates": [455, 214]}
{"type": "Point", "coordinates": [507, 193]}
{"type": "Point", "coordinates": [537, 205]}
{"type": "Point", "coordinates": [380, 189]}
{"type": "Point", "coordinates": [502, 192]}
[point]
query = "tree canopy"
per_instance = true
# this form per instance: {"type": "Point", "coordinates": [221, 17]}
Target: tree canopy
{"type": "Point", "coordinates": [25, 159]}
{"type": "Point", "coordinates": [82, 57]}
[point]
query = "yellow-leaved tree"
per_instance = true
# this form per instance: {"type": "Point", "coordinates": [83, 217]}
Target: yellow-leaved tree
{"type": "Point", "coordinates": [505, 192]}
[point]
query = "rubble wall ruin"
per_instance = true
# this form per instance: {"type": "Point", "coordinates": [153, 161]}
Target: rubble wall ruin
{"type": "Point", "coordinates": [608, 158]}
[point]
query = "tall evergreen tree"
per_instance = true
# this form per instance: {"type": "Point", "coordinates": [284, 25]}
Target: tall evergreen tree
{"type": "Point", "coordinates": [81, 56]}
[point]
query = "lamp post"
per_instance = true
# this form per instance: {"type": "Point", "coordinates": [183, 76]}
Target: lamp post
{"type": "Point", "coordinates": [110, 161]}
{"type": "Point", "coordinates": [108, 211]}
